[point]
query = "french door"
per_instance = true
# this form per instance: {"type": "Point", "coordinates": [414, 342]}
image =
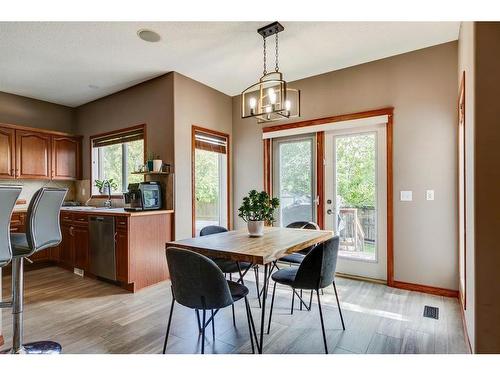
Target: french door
{"type": "Point", "coordinates": [356, 198]}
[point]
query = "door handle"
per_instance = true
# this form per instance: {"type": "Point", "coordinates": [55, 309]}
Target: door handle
{"type": "Point", "coordinates": [329, 212]}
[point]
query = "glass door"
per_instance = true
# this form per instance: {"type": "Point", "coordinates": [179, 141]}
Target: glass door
{"type": "Point", "coordinates": [356, 203]}
{"type": "Point", "coordinates": [294, 179]}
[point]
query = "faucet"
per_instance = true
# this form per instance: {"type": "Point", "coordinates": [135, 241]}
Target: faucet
{"type": "Point", "coordinates": [107, 204]}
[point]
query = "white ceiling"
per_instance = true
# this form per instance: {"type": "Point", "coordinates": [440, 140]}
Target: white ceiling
{"type": "Point", "coordinates": [57, 61]}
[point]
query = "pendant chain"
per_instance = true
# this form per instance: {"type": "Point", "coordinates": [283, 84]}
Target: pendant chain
{"type": "Point", "coordinates": [277, 65]}
{"type": "Point", "coordinates": [265, 62]}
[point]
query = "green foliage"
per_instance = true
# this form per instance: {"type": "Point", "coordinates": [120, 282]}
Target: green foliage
{"type": "Point", "coordinates": [206, 176]}
{"type": "Point", "coordinates": [258, 207]}
{"type": "Point", "coordinates": [101, 184]}
{"type": "Point", "coordinates": [296, 167]}
{"type": "Point", "coordinates": [356, 170]}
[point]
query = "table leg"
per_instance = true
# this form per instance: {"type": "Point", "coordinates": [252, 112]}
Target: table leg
{"type": "Point", "coordinates": [263, 313]}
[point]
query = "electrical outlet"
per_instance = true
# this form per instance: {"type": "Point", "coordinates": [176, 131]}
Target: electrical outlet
{"type": "Point", "coordinates": [78, 271]}
{"type": "Point", "coordinates": [429, 195]}
{"type": "Point", "coordinates": [83, 191]}
{"type": "Point", "coordinates": [406, 195]}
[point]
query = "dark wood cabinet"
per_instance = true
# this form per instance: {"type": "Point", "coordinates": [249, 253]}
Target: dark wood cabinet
{"type": "Point", "coordinates": [7, 153]}
{"type": "Point", "coordinates": [27, 153]}
{"type": "Point", "coordinates": [81, 247]}
{"type": "Point", "coordinates": [66, 248]}
{"type": "Point", "coordinates": [66, 162]}
{"type": "Point", "coordinates": [32, 155]}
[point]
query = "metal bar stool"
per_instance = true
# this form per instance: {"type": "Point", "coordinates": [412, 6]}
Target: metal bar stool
{"type": "Point", "coordinates": [42, 231]}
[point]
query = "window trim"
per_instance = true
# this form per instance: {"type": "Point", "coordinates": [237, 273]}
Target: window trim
{"type": "Point", "coordinates": [142, 127]}
{"type": "Point", "coordinates": [199, 129]}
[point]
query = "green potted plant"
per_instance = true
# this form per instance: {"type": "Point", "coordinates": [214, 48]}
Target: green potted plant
{"type": "Point", "coordinates": [105, 186]}
{"type": "Point", "coordinates": [256, 209]}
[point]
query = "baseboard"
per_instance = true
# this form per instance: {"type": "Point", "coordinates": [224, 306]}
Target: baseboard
{"type": "Point", "coordinates": [464, 324]}
{"type": "Point", "coordinates": [360, 278]}
{"type": "Point", "coordinates": [425, 289]}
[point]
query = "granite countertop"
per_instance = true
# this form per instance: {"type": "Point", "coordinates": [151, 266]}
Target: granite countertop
{"type": "Point", "coordinates": [105, 211]}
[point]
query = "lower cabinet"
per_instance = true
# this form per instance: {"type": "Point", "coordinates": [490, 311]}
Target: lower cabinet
{"type": "Point", "coordinates": [73, 250]}
{"type": "Point", "coordinates": [121, 253]}
{"type": "Point", "coordinates": [66, 248]}
{"type": "Point", "coordinates": [81, 247]}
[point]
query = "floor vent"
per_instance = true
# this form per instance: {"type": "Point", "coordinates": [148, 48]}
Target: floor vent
{"type": "Point", "coordinates": [431, 312]}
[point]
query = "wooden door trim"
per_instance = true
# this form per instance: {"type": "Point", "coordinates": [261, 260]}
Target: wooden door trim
{"type": "Point", "coordinates": [389, 111]}
{"type": "Point", "coordinates": [194, 129]}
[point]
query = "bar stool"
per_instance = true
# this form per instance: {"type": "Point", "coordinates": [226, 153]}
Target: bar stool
{"type": "Point", "coordinates": [42, 231]}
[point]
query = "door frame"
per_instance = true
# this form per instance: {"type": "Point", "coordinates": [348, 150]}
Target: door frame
{"type": "Point", "coordinates": [320, 155]}
{"type": "Point", "coordinates": [194, 129]}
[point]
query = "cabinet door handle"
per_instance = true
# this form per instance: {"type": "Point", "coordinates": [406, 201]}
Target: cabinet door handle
{"type": "Point", "coordinates": [116, 233]}
{"type": "Point", "coordinates": [71, 231]}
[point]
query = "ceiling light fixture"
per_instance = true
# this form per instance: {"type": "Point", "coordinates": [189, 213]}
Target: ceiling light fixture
{"type": "Point", "coordinates": [270, 99]}
{"type": "Point", "coordinates": [148, 35]}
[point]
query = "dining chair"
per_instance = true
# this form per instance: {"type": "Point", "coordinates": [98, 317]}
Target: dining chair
{"type": "Point", "coordinates": [198, 283]}
{"type": "Point", "coordinates": [316, 271]}
{"type": "Point", "coordinates": [229, 266]}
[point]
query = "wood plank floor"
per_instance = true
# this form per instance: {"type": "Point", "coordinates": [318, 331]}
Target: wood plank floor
{"type": "Point", "coordinates": [91, 316]}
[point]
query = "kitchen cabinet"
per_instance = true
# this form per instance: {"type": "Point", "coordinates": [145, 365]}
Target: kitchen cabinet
{"type": "Point", "coordinates": [74, 248]}
{"type": "Point", "coordinates": [66, 162]}
{"type": "Point", "coordinates": [27, 153]}
{"type": "Point", "coordinates": [121, 249]}
{"type": "Point", "coordinates": [81, 247]}
{"type": "Point", "coordinates": [7, 153]}
{"type": "Point", "coordinates": [33, 159]}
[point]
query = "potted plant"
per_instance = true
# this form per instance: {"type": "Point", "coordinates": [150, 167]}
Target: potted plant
{"type": "Point", "coordinates": [154, 162]}
{"type": "Point", "coordinates": [105, 186]}
{"type": "Point", "coordinates": [256, 209]}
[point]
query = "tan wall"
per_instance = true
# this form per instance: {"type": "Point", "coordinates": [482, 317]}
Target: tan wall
{"type": "Point", "coordinates": [19, 110]}
{"type": "Point", "coordinates": [422, 87]}
{"type": "Point", "coordinates": [149, 103]}
{"type": "Point", "coordinates": [195, 104]}
{"type": "Point", "coordinates": [466, 63]}
{"type": "Point", "coordinates": [487, 181]}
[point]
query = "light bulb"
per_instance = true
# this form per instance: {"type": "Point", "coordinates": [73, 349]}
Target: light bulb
{"type": "Point", "coordinates": [272, 95]}
{"type": "Point", "coordinates": [252, 103]}
{"type": "Point", "coordinates": [288, 105]}
{"type": "Point", "coordinates": [268, 109]}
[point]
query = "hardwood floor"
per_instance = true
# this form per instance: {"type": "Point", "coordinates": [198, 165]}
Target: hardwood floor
{"type": "Point", "coordinates": [91, 316]}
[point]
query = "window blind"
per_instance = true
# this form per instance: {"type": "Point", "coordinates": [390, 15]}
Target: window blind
{"type": "Point", "coordinates": [209, 142]}
{"type": "Point", "coordinates": [118, 138]}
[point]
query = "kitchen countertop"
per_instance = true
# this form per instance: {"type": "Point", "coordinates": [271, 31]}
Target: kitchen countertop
{"type": "Point", "coordinates": [106, 211]}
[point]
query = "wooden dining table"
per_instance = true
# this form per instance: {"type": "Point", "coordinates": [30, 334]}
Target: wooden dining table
{"type": "Point", "coordinates": [239, 246]}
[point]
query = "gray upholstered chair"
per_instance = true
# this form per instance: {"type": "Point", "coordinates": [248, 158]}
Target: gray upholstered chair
{"type": "Point", "coordinates": [297, 258]}
{"type": "Point", "coordinates": [8, 198]}
{"type": "Point", "coordinates": [316, 271]}
{"type": "Point", "coordinates": [198, 283]}
{"type": "Point", "coordinates": [229, 266]}
{"type": "Point", "coordinates": [42, 231]}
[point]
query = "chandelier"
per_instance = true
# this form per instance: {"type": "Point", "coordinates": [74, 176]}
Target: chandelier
{"type": "Point", "coordinates": [270, 99]}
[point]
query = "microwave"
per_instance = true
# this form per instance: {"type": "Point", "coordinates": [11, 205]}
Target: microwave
{"type": "Point", "coordinates": [143, 196]}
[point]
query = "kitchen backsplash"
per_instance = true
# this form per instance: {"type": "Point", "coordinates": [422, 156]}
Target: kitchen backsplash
{"type": "Point", "coordinates": [82, 190]}
{"type": "Point", "coordinates": [31, 186]}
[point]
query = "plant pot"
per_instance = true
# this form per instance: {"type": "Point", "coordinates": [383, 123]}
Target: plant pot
{"type": "Point", "coordinates": [105, 190]}
{"type": "Point", "coordinates": [157, 165]}
{"type": "Point", "coordinates": [255, 228]}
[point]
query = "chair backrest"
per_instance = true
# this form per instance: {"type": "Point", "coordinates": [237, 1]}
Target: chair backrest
{"type": "Point", "coordinates": [212, 229]}
{"type": "Point", "coordinates": [197, 282]}
{"type": "Point", "coordinates": [43, 229]}
{"type": "Point", "coordinates": [303, 225]}
{"type": "Point", "coordinates": [8, 198]}
{"type": "Point", "coordinates": [317, 270]}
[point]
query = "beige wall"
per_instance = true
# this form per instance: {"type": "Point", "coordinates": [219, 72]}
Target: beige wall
{"type": "Point", "coordinates": [466, 63]}
{"type": "Point", "coordinates": [195, 104]}
{"type": "Point", "coordinates": [19, 110]}
{"type": "Point", "coordinates": [487, 181]}
{"type": "Point", "coordinates": [422, 87]}
{"type": "Point", "coordinates": [149, 103]}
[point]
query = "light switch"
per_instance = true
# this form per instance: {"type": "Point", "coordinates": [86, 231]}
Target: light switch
{"type": "Point", "coordinates": [406, 195]}
{"type": "Point", "coordinates": [429, 195]}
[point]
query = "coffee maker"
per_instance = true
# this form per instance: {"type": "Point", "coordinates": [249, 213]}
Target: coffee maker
{"type": "Point", "coordinates": [143, 196]}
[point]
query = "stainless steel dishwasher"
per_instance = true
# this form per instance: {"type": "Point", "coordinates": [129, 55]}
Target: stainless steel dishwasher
{"type": "Point", "coordinates": [102, 247]}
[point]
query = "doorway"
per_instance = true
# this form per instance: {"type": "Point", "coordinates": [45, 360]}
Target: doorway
{"type": "Point", "coordinates": [356, 198]}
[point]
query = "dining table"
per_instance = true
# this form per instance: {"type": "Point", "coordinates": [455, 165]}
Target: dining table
{"type": "Point", "coordinates": [239, 246]}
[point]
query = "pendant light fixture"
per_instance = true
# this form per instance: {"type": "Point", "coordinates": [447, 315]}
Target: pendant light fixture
{"type": "Point", "coordinates": [270, 99]}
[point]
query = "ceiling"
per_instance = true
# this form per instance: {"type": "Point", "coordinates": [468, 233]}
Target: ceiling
{"type": "Point", "coordinates": [72, 63]}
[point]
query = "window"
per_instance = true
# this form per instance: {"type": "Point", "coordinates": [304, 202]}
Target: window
{"type": "Point", "coordinates": [294, 178]}
{"type": "Point", "coordinates": [211, 176]}
{"type": "Point", "coordinates": [115, 156]}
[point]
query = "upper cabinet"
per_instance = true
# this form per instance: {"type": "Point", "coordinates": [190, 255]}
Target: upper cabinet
{"type": "Point", "coordinates": [40, 155]}
{"type": "Point", "coordinates": [65, 158]}
{"type": "Point", "coordinates": [7, 156]}
{"type": "Point", "coordinates": [32, 155]}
